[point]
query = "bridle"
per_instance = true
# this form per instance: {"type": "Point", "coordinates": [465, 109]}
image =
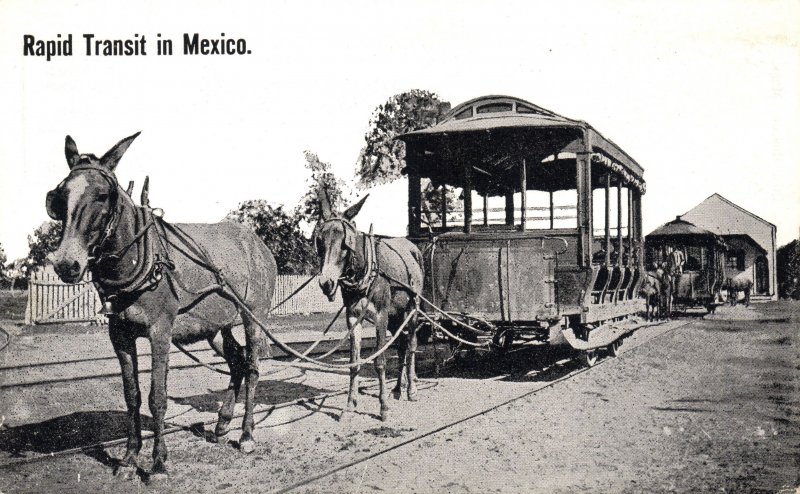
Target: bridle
{"type": "Point", "coordinates": [352, 281]}
{"type": "Point", "coordinates": [150, 270]}
{"type": "Point", "coordinates": [112, 218]}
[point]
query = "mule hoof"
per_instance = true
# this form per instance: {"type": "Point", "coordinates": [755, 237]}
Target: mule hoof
{"type": "Point", "coordinates": [384, 414]}
{"type": "Point", "coordinates": [222, 440]}
{"type": "Point", "coordinates": [126, 472]}
{"type": "Point", "coordinates": [247, 446]}
{"type": "Point", "coordinates": [397, 394]}
{"type": "Point", "coordinates": [412, 396]}
{"type": "Point", "coordinates": [158, 476]}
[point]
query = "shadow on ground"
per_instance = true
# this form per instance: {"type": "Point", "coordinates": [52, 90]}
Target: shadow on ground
{"type": "Point", "coordinates": [76, 430]}
{"type": "Point", "coordinates": [541, 363]}
{"type": "Point", "coordinates": [267, 393]}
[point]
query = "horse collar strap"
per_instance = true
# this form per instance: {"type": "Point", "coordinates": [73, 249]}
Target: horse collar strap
{"type": "Point", "coordinates": [362, 284]}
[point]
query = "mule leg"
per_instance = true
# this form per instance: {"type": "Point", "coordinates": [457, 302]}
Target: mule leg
{"type": "Point", "coordinates": [381, 325]}
{"type": "Point", "coordinates": [402, 345]}
{"type": "Point", "coordinates": [412, 360]}
{"type": "Point", "coordinates": [159, 342]}
{"type": "Point", "coordinates": [246, 442]}
{"type": "Point", "coordinates": [234, 354]}
{"type": "Point", "coordinates": [125, 347]}
{"type": "Point", "coordinates": [355, 355]}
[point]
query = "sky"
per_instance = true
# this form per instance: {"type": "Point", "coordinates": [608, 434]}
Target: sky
{"type": "Point", "coordinates": [705, 95]}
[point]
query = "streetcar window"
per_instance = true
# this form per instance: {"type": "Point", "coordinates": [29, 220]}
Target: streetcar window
{"type": "Point", "coordinates": [465, 113]}
{"type": "Point", "coordinates": [495, 108]}
{"type": "Point", "coordinates": [526, 109]}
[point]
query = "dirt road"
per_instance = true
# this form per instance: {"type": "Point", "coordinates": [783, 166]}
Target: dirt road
{"type": "Point", "coordinates": [690, 406]}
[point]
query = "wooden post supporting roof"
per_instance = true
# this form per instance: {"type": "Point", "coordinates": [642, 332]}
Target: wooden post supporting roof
{"type": "Point", "coordinates": [468, 199]}
{"type": "Point", "coordinates": [630, 228]}
{"type": "Point", "coordinates": [485, 209]}
{"type": "Point", "coordinates": [523, 187]}
{"type": "Point", "coordinates": [621, 248]}
{"type": "Point", "coordinates": [414, 203]}
{"type": "Point", "coordinates": [608, 219]}
{"type": "Point", "coordinates": [583, 171]}
{"type": "Point", "coordinates": [444, 206]}
{"type": "Point", "coordinates": [510, 207]}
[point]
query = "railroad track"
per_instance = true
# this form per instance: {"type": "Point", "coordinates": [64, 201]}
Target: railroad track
{"type": "Point", "coordinates": [319, 401]}
{"type": "Point", "coordinates": [279, 355]}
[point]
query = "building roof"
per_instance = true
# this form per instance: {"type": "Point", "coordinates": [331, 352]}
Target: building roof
{"type": "Point", "coordinates": [747, 238]}
{"type": "Point", "coordinates": [727, 201]}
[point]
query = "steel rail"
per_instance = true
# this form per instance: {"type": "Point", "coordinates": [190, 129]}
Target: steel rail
{"type": "Point", "coordinates": [277, 360]}
{"type": "Point", "coordinates": [449, 425]}
{"type": "Point", "coordinates": [146, 435]}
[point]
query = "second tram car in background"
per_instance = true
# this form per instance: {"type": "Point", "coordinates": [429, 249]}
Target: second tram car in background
{"type": "Point", "coordinates": [698, 282]}
{"type": "Point", "coordinates": [530, 223]}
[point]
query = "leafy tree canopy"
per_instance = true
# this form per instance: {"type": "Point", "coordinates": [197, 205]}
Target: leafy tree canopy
{"type": "Point", "coordinates": [383, 157]}
{"type": "Point", "coordinates": [280, 231]}
{"type": "Point", "coordinates": [788, 264]}
{"type": "Point", "coordinates": [45, 239]}
{"type": "Point", "coordinates": [321, 176]}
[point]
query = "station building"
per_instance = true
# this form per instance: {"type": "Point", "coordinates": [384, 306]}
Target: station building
{"type": "Point", "coordinates": [750, 239]}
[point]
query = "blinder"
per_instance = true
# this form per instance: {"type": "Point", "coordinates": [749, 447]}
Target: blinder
{"type": "Point", "coordinates": [55, 205]}
{"type": "Point", "coordinates": [350, 238]}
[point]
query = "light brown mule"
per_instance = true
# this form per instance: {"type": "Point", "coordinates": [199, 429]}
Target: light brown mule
{"type": "Point", "coordinates": [161, 282]}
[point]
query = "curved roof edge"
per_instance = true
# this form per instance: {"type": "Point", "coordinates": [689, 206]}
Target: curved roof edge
{"type": "Point", "coordinates": [521, 114]}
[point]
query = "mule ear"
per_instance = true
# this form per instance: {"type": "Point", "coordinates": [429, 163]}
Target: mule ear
{"type": "Point", "coordinates": [112, 157]}
{"type": "Point", "coordinates": [325, 206]}
{"type": "Point", "coordinates": [353, 210]}
{"type": "Point", "coordinates": [145, 199]}
{"type": "Point", "coordinates": [71, 151]}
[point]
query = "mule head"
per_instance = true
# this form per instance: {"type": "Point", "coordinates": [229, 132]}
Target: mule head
{"type": "Point", "coordinates": [335, 240]}
{"type": "Point", "coordinates": [86, 202]}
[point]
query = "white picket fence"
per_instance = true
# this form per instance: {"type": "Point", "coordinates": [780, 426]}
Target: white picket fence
{"type": "Point", "coordinates": [52, 301]}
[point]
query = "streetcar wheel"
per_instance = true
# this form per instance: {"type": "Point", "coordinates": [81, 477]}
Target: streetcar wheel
{"type": "Point", "coordinates": [589, 358]}
{"type": "Point", "coordinates": [503, 341]}
{"type": "Point", "coordinates": [613, 348]}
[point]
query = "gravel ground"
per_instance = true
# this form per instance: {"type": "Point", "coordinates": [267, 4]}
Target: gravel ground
{"type": "Point", "coordinates": [690, 406]}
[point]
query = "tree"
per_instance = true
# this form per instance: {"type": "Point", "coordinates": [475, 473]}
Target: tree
{"type": "Point", "coordinates": [3, 260]}
{"type": "Point", "coordinates": [788, 264]}
{"type": "Point", "coordinates": [44, 240]}
{"type": "Point", "coordinates": [321, 176]}
{"type": "Point", "coordinates": [383, 157]}
{"type": "Point", "coordinates": [280, 231]}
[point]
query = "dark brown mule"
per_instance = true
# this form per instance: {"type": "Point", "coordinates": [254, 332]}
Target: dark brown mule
{"type": "Point", "coordinates": [128, 249]}
{"type": "Point", "coordinates": [368, 270]}
{"type": "Point", "coordinates": [667, 274]}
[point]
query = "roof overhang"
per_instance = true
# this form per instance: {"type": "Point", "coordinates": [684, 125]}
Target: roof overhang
{"type": "Point", "coordinates": [524, 126]}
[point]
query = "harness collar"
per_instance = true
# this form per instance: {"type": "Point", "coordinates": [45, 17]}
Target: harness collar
{"type": "Point", "coordinates": [151, 265]}
{"type": "Point", "coordinates": [355, 283]}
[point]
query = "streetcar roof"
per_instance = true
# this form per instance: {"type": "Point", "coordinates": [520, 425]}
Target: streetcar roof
{"type": "Point", "coordinates": [682, 228]}
{"type": "Point", "coordinates": [492, 125]}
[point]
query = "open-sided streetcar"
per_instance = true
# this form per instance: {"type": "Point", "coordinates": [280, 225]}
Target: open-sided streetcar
{"type": "Point", "coordinates": [530, 225]}
{"type": "Point", "coordinates": [698, 280]}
